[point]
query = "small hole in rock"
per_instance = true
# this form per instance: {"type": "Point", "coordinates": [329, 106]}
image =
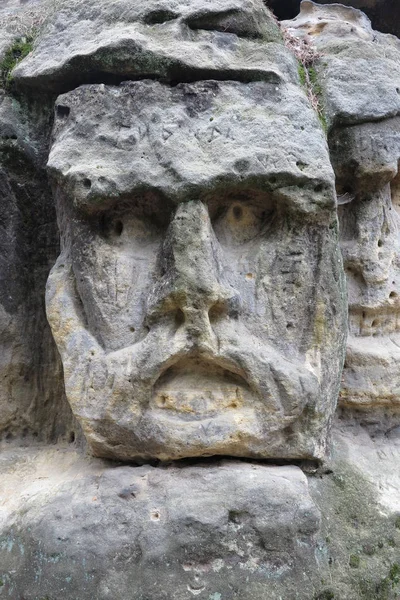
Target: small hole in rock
{"type": "Point", "coordinates": [374, 323]}
{"type": "Point", "coordinates": [392, 295]}
{"type": "Point", "coordinates": [71, 438]}
{"type": "Point", "coordinates": [179, 317]}
{"type": "Point", "coordinates": [217, 311]}
{"type": "Point", "coordinates": [318, 188]}
{"type": "Point", "coordinates": [132, 329]}
{"type": "Point", "coordinates": [118, 228]}
{"type": "Point", "coordinates": [62, 111]}
{"type": "Point", "coordinates": [237, 212]}
{"type": "Point", "coordinates": [87, 183]}
{"type": "Point", "coordinates": [380, 243]}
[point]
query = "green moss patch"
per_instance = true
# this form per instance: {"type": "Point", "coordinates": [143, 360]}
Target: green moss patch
{"type": "Point", "coordinates": [17, 52]}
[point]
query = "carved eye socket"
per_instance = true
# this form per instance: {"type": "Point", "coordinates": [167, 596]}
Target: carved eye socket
{"type": "Point", "coordinates": [239, 223]}
{"type": "Point", "coordinates": [110, 227]}
{"type": "Point", "coordinates": [129, 229]}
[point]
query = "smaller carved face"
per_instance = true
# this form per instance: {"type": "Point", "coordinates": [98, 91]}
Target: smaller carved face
{"type": "Point", "coordinates": [366, 160]}
{"type": "Point", "coordinates": [198, 301]}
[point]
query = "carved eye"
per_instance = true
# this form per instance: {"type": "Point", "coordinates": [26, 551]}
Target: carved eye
{"type": "Point", "coordinates": [129, 229]}
{"type": "Point", "coordinates": [240, 222]}
{"type": "Point", "coordinates": [111, 227]}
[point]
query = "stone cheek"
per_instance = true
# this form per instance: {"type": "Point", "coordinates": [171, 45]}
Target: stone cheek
{"type": "Point", "coordinates": [198, 301]}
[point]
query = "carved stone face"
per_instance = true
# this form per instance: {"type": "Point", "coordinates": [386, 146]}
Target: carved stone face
{"type": "Point", "coordinates": [360, 91]}
{"type": "Point", "coordinates": [368, 183]}
{"type": "Point", "coordinates": [198, 301]}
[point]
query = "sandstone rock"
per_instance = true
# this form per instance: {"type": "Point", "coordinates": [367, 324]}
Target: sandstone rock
{"type": "Point", "coordinates": [366, 159]}
{"type": "Point", "coordinates": [364, 148]}
{"type": "Point", "coordinates": [198, 302]}
{"type": "Point", "coordinates": [198, 305]}
{"type": "Point", "coordinates": [32, 397]}
{"type": "Point", "coordinates": [359, 69]}
{"type": "Point", "coordinates": [384, 14]}
{"type": "Point", "coordinates": [183, 41]}
{"type": "Point", "coordinates": [144, 532]}
{"type": "Point", "coordinates": [79, 527]}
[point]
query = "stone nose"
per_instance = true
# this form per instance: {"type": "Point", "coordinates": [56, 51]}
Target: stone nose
{"type": "Point", "coordinates": [192, 266]}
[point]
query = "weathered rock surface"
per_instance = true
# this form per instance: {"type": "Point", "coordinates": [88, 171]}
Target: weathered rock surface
{"type": "Point", "coordinates": [198, 304]}
{"type": "Point", "coordinates": [144, 532]}
{"type": "Point", "coordinates": [358, 75]}
{"type": "Point", "coordinates": [183, 41]}
{"type": "Point", "coordinates": [32, 397]}
{"type": "Point", "coordinates": [220, 326]}
{"type": "Point", "coordinates": [384, 14]}
{"type": "Point", "coordinates": [359, 70]}
{"type": "Point", "coordinates": [81, 528]}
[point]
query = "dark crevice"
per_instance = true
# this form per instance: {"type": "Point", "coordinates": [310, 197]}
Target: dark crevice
{"type": "Point", "coordinates": [175, 77]}
{"type": "Point", "coordinates": [309, 466]}
{"type": "Point", "coordinates": [284, 9]}
{"type": "Point", "coordinates": [385, 15]}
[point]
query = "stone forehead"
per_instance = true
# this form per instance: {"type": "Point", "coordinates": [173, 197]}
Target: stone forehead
{"type": "Point", "coordinates": [188, 140]}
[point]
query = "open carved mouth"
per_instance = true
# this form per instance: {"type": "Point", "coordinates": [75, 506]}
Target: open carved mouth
{"type": "Point", "coordinates": [195, 388]}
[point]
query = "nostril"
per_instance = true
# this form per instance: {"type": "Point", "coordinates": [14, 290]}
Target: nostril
{"type": "Point", "coordinates": [233, 307]}
{"type": "Point", "coordinates": [179, 317]}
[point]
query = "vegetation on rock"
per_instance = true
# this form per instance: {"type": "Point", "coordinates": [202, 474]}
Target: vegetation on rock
{"type": "Point", "coordinates": [18, 51]}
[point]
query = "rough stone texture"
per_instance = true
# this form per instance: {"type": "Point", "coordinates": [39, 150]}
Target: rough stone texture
{"type": "Point", "coordinates": [32, 397]}
{"type": "Point", "coordinates": [182, 40]}
{"type": "Point", "coordinates": [75, 527]}
{"type": "Point", "coordinates": [144, 532]}
{"type": "Point", "coordinates": [359, 70]}
{"type": "Point", "coordinates": [384, 14]}
{"type": "Point", "coordinates": [190, 347]}
{"type": "Point", "coordinates": [358, 74]}
{"type": "Point", "coordinates": [195, 218]}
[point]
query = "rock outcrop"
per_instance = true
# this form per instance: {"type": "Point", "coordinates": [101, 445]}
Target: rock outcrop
{"type": "Point", "coordinates": [196, 183]}
{"type": "Point", "coordinates": [358, 74]}
{"type": "Point", "coordinates": [201, 251]}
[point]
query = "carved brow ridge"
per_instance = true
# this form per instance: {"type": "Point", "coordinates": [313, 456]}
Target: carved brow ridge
{"type": "Point", "coordinates": [176, 74]}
